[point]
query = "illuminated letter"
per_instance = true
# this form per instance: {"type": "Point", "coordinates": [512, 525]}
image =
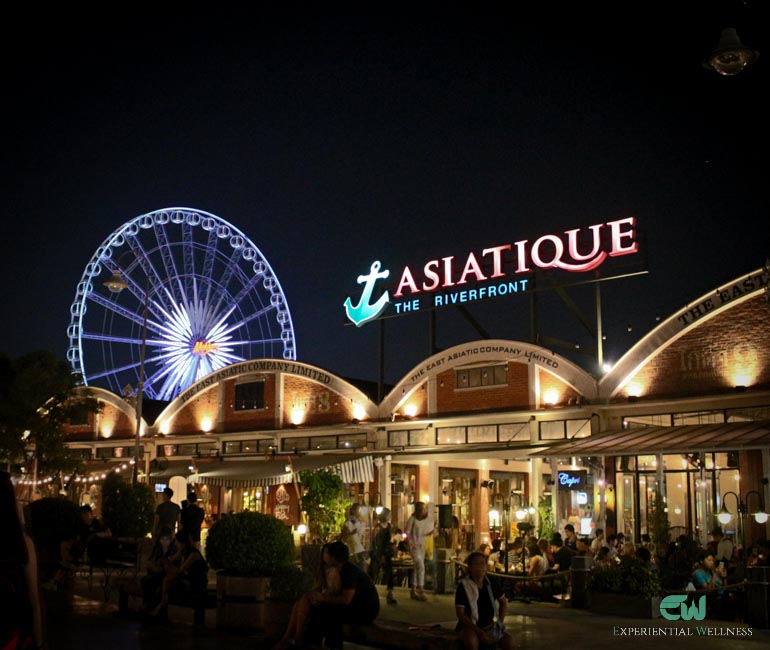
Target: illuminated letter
{"type": "Point", "coordinates": [471, 267]}
{"type": "Point", "coordinates": [408, 281]}
{"type": "Point", "coordinates": [618, 236]}
{"type": "Point", "coordinates": [598, 257]}
{"type": "Point", "coordinates": [431, 274]}
{"type": "Point", "coordinates": [559, 251]}
{"type": "Point", "coordinates": [497, 259]}
{"type": "Point", "coordinates": [521, 256]}
{"type": "Point", "coordinates": [448, 271]}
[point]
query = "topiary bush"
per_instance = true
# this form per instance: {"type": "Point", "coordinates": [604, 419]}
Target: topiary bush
{"type": "Point", "coordinates": [127, 510]}
{"type": "Point", "coordinates": [51, 520]}
{"type": "Point", "coordinates": [249, 544]}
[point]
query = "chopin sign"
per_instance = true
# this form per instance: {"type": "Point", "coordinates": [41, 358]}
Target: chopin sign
{"type": "Point", "coordinates": [491, 272]}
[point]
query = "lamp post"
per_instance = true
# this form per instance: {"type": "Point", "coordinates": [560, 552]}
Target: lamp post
{"type": "Point", "coordinates": [725, 517]}
{"type": "Point", "coordinates": [116, 284]}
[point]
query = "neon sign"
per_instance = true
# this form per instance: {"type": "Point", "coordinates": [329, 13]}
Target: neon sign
{"type": "Point", "coordinates": [203, 348]}
{"type": "Point", "coordinates": [493, 272]}
{"type": "Point", "coordinates": [572, 480]}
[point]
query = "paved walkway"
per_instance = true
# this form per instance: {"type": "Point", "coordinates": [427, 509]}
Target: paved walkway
{"type": "Point", "coordinates": [84, 622]}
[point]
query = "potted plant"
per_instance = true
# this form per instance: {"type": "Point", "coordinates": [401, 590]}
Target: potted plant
{"type": "Point", "coordinates": [629, 589]}
{"type": "Point", "coordinates": [286, 586]}
{"type": "Point", "coordinates": [325, 504]}
{"type": "Point", "coordinates": [246, 549]}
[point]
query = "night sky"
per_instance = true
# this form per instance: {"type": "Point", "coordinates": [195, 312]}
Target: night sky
{"type": "Point", "coordinates": [335, 141]}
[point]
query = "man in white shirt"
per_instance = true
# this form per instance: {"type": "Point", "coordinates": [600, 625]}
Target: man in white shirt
{"type": "Point", "coordinates": [418, 529]}
{"type": "Point", "coordinates": [598, 542]}
{"type": "Point", "coordinates": [353, 536]}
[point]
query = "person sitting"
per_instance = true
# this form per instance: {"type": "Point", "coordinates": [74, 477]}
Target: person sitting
{"type": "Point", "coordinates": [157, 566]}
{"type": "Point", "coordinates": [321, 613]}
{"type": "Point", "coordinates": [327, 582]}
{"type": "Point", "coordinates": [93, 542]}
{"type": "Point", "coordinates": [186, 574]}
{"type": "Point", "coordinates": [475, 600]}
{"type": "Point", "coordinates": [707, 575]}
{"type": "Point", "coordinates": [538, 564]}
{"type": "Point", "coordinates": [603, 560]}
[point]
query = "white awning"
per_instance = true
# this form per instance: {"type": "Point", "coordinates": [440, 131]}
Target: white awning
{"type": "Point", "coordinates": [247, 473]}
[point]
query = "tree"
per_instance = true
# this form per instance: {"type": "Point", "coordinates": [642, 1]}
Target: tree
{"type": "Point", "coordinates": [39, 395]}
{"type": "Point", "coordinates": [324, 502]}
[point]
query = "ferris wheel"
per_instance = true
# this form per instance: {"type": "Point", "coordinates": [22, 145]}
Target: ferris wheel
{"type": "Point", "coordinates": [170, 297]}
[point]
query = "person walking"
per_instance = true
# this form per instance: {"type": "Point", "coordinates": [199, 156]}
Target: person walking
{"type": "Point", "coordinates": [418, 529]}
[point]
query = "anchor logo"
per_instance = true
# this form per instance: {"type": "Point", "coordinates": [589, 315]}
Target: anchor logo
{"type": "Point", "coordinates": [365, 311]}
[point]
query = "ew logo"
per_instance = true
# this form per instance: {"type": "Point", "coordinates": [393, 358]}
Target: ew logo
{"type": "Point", "coordinates": [681, 610]}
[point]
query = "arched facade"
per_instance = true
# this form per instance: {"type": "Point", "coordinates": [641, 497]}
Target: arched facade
{"type": "Point", "coordinates": [489, 426]}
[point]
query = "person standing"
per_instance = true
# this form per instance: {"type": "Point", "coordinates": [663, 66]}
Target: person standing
{"type": "Point", "coordinates": [191, 519]}
{"type": "Point", "coordinates": [418, 529]}
{"type": "Point", "coordinates": [383, 551]}
{"type": "Point", "coordinates": [167, 514]}
{"type": "Point", "coordinates": [353, 536]}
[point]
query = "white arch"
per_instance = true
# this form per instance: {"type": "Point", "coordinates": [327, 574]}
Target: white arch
{"type": "Point", "coordinates": [262, 366]}
{"type": "Point", "coordinates": [483, 352]}
{"type": "Point", "coordinates": [680, 323]}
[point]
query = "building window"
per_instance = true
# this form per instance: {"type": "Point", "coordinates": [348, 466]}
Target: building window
{"type": "Point", "coordinates": [300, 444]}
{"type": "Point", "coordinates": [250, 396]}
{"type": "Point", "coordinates": [450, 436]}
{"type": "Point", "coordinates": [398, 439]}
{"type": "Point", "coordinates": [482, 434]}
{"type": "Point", "coordinates": [514, 432]}
{"type": "Point", "coordinates": [422, 438]}
{"type": "Point", "coordinates": [481, 376]}
{"type": "Point", "coordinates": [552, 430]}
{"type": "Point", "coordinates": [699, 417]}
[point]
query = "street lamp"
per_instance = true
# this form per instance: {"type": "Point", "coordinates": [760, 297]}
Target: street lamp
{"type": "Point", "coordinates": [116, 284]}
{"type": "Point", "coordinates": [760, 516]}
{"type": "Point", "coordinates": [725, 517]}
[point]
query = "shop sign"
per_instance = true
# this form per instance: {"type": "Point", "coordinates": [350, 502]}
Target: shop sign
{"type": "Point", "coordinates": [572, 480]}
{"type": "Point", "coordinates": [491, 272]}
{"type": "Point", "coordinates": [674, 607]}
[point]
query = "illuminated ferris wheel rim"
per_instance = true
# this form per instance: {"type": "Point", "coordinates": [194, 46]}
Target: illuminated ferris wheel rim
{"type": "Point", "coordinates": [163, 286]}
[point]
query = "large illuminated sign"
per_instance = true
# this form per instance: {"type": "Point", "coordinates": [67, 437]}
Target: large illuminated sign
{"type": "Point", "coordinates": [492, 272]}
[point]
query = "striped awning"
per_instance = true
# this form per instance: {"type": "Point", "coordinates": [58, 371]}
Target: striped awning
{"type": "Point", "coordinates": [248, 473]}
{"type": "Point", "coordinates": [730, 436]}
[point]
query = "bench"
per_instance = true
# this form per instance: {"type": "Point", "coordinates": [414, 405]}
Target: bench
{"type": "Point", "coordinates": [132, 588]}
